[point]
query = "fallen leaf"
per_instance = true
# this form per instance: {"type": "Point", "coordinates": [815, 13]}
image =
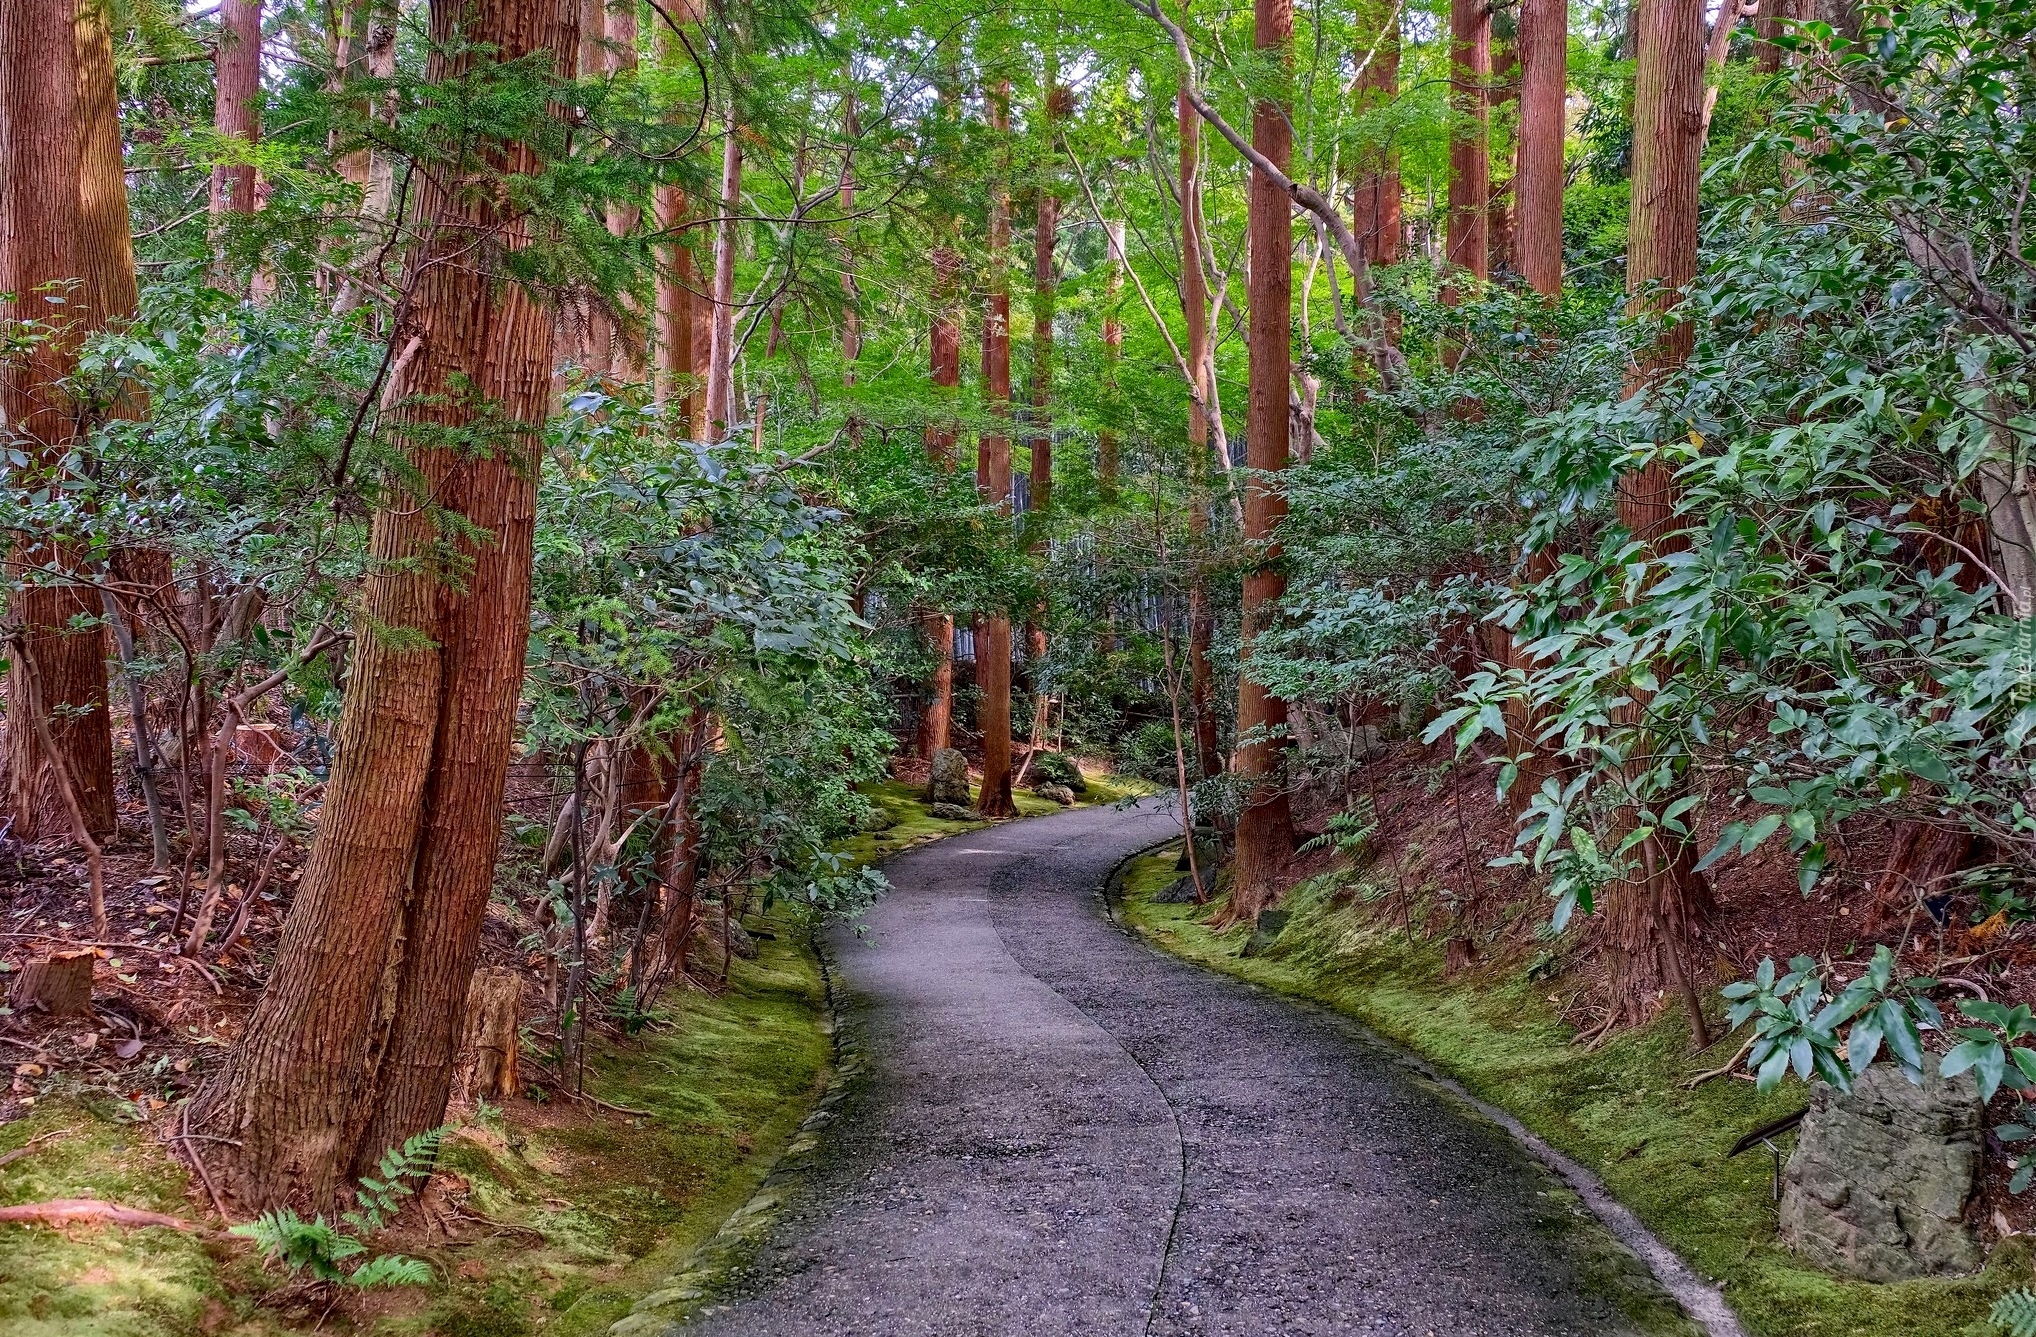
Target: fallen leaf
{"type": "Point", "coordinates": [89, 1040]}
{"type": "Point", "coordinates": [28, 1070]}
{"type": "Point", "coordinates": [157, 908]}
{"type": "Point", "coordinates": [182, 1065]}
{"type": "Point", "coordinates": [127, 1048]}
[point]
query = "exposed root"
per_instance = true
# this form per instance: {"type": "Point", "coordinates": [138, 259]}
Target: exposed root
{"type": "Point", "coordinates": [75, 1211]}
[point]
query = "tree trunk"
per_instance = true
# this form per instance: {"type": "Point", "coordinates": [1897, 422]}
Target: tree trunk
{"type": "Point", "coordinates": [721, 366]}
{"type": "Point", "coordinates": [1265, 824]}
{"type": "Point", "coordinates": [236, 107]}
{"type": "Point", "coordinates": [350, 1049]}
{"type": "Point", "coordinates": [494, 1004]}
{"type": "Point", "coordinates": [40, 206]}
{"type": "Point", "coordinates": [625, 348]}
{"type": "Point", "coordinates": [1195, 305]}
{"type": "Point", "coordinates": [675, 282]}
{"type": "Point", "coordinates": [942, 438]}
{"type": "Point", "coordinates": [1045, 283]}
{"type": "Point", "coordinates": [1470, 186]}
{"type": "Point", "coordinates": [1654, 920]}
{"type": "Point", "coordinates": [1375, 198]}
{"type": "Point", "coordinates": [993, 483]}
{"type": "Point", "coordinates": [58, 985]}
{"type": "Point", "coordinates": [1538, 179]}
{"type": "Point", "coordinates": [851, 313]}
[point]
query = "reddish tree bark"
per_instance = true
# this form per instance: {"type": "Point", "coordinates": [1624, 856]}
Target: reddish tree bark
{"type": "Point", "coordinates": [1045, 285]}
{"type": "Point", "coordinates": [236, 107]}
{"type": "Point", "coordinates": [1652, 921]}
{"type": "Point", "coordinates": [1113, 353]}
{"type": "Point", "coordinates": [1470, 184]}
{"type": "Point", "coordinates": [1538, 178]}
{"type": "Point", "coordinates": [1265, 823]}
{"type": "Point", "coordinates": [351, 1046]}
{"type": "Point", "coordinates": [993, 482]}
{"type": "Point", "coordinates": [40, 209]}
{"type": "Point", "coordinates": [1375, 196]}
{"type": "Point", "coordinates": [625, 347]}
{"type": "Point", "coordinates": [944, 338]}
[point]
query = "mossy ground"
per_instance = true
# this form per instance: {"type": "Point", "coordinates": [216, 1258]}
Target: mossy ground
{"type": "Point", "coordinates": [1619, 1109]}
{"type": "Point", "coordinates": [562, 1215]}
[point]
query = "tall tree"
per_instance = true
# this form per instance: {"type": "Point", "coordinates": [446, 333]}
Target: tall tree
{"type": "Point", "coordinates": [1538, 179]}
{"type": "Point", "coordinates": [1470, 171]}
{"type": "Point", "coordinates": [625, 355]}
{"type": "Point", "coordinates": [677, 277]}
{"type": "Point", "coordinates": [1265, 823]}
{"type": "Point", "coordinates": [1045, 297]}
{"type": "Point", "coordinates": [993, 478]}
{"type": "Point", "coordinates": [721, 358]}
{"type": "Point", "coordinates": [350, 1048]}
{"type": "Point", "coordinates": [60, 759]}
{"type": "Point", "coordinates": [1652, 920]}
{"type": "Point", "coordinates": [237, 104]}
{"type": "Point", "coordinates": [1195, 306]}
{"type": "Point", "coordinates": [1375, 182]}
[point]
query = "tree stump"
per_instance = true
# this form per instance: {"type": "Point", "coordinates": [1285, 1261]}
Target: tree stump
{"type": "Point", "coordinates": [59, 985]}
{"type": "Point", "coordinates": [493, 1004]}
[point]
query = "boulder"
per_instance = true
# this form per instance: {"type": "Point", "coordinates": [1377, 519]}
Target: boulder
{"type": "Point", "coordinates": [1208, 850]}
{"type": "Point", "coordinates": [1181, 891]}
{"type": "Point", "coordinates": [953, 812]}
{"type": "Point", "coordinates": [1060, 794]}
{"type": "Point", "coordinates": [950, 779]}
{"type": "Point", "coordinates": [1881, 1176]}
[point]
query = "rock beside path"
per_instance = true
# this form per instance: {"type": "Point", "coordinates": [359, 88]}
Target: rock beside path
{"type": "Point", "coordinates": [950, 779]}
{"type": "Point", "coordinates": [1878, 1185]}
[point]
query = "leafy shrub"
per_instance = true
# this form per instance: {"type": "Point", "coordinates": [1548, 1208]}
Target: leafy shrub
{"type": "Point", "coordinates": [1059, 769]}
{"type": "Point", "coordinates": [1148, 752]}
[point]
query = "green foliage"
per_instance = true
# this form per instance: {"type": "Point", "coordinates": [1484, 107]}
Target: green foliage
{"type": "Point", "coordinates": [315, 1247]}
{"type": "Point", "coordinates": [381, 1195]}
{"type": "Point", "coordinates": [1795, 1025]}
{"type": "Point", "coordinates": [2015, 1313]}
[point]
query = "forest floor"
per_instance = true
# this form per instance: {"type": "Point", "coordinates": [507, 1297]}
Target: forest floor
{"type": "Point", "coordinates": [548, 1214]}
{"type": "Point", "coordinates": [1509, 1012]}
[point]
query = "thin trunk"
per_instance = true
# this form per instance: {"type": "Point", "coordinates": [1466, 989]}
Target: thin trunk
{"type": "Point", "coordinates": [1265, 824]}
{"type": "Point", "coordinates": [942, 437]}
{"type": "Point", "coordinates": [1045, 285]}
{"type": "Point", "coordinates": [721, 366]}
{"type": "Point", "coordinates": [1195, 306]}
{"type": "Point", "coordinates": [350, 1049]}
{"type": "Point", "coordinates": [993, 483]}
{"type": "Point", "coordinates": [625, 350]}
{"type": "Point", "coordinates": [1652, 921]}
{"type": "Point", "coordinates": [851, 313]}
{"type": "Point", "coordinates": [1720, 46]}
{"type": "Point", "coordinates": [40, 201]}
{"type": "Point", "coordinates": [1538, 179]}
{"type": "Point", "coordinates": [1113, 353]}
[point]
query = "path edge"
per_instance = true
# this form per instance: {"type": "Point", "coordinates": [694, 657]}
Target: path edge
{"type": "Point", "coordinates": [1701, 1300]}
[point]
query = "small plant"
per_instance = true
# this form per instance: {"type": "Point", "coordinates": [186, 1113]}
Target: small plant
{"type": "Point", "coordinates": [1797, 1020]}
{"type": "Point", "coordinates": [314, 1246]}
{"type": "Point", "coordinates": [1348, 833]}
{"type": "Point", "coordinates": [2015, 1313]}
{"type": "Point", "coordinates": [381, 1194]}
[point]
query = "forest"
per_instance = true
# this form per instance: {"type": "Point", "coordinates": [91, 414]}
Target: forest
{"type": "Point", "coordinates": [521, 511]}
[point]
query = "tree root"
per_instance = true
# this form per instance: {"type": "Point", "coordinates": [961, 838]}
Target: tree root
{"type": "Point", "coordinates": [1731, 1066]}
{"type": "Point", "coordinates": [72, 1211]}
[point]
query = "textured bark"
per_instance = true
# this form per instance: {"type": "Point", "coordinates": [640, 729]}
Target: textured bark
{"type": "Point", "coordinates": [1375, 196]}
{"type": "Point", "coordinates": [1538, 178]}
{"type": "Point", "coordinates": [351, 1046]}
{"type": "Point", "coordinates": [937, 721]}
{"type": "Point", "coordinates": [993, 483]}
{"type": "Point", "coordinates": [1195, 305]}
{"type": "Point", "coordinates": [1470, 185]}
{"type": "Point", "coordinates": [236, 107]}
{"type": "Point", "coordinates": [1652, 921]}
{"type": "Point", "coordinates": [40, 207]}
{"type": "Point", "coordinates": [625, 348]}
{"type": "Point", "coordinates": [1265, 824]}
{"type": "Point", "coordinates": [1767, 25]}
{"type": "Point", "coordinates": [721, 361]}
{"type": "Point", "coordinates": [675, 283]}
{"type": "Point", "coordinates": [851, 307]}
{"type": "Point", "coordinates": [1045, 292]}
{"type": "Point", "coordinates": [942, 437]}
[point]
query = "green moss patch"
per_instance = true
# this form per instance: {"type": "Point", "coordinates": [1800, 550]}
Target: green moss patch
{"type": "Point", "coordinates": [1619, 1109]}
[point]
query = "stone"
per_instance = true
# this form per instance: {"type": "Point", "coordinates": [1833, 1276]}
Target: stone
{"type": "Point", "coordinates": [952, 812]}
{"type": "Point", "coordinates": [1208, 850]}
{"type": "Point", "coordinates": [1060, 794]}
{"type": "Point", "coordinates": [1181, 891]}
{"type": "Point", "coordinates": [1271, 923]}
{"type": "Point", "coordinates": [1881, 1176]}
{"type": "Point", "coordinates": [950, 779]}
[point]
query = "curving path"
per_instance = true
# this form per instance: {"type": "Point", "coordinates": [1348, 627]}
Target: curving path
{"type": "Point", "coordinates": [1060, 1131]}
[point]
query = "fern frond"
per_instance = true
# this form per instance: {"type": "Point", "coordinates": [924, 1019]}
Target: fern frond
{"type": "Point", "coordinates": [2015, 1312]}
{"type": "Point", "coordinates": [391, 1269]}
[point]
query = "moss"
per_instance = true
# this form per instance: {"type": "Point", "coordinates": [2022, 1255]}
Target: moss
{"type": "Point", "coordinates": [1619, 1109]}
{"type": "Point", "coordinates": [86, 1281]}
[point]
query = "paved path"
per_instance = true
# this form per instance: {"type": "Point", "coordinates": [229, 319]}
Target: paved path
{"type": "Point", "coordinates": [1060, 1131]}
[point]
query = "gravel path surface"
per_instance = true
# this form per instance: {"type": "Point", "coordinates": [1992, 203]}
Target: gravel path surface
{"type": "Point", "coordinates": [1060, 1130]}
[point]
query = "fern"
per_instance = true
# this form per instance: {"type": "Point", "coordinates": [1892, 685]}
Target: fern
{"type": "Point", "coordinates": [391, 1269]}
{"type": "Point", "coordinates": [382, 1193]}
{"type": "Point", "coordinates": [287, 1238]}
{"type": "Point", "coordinates": [2016, 1313]}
